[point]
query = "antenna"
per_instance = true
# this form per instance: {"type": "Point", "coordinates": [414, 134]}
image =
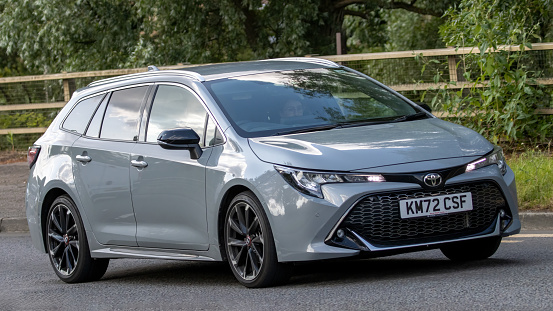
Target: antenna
{"type": "Point", "coordinates": [152, 68]}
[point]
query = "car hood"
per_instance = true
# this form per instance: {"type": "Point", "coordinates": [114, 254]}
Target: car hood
{"type": "Point", "coordinates": [373, 146]}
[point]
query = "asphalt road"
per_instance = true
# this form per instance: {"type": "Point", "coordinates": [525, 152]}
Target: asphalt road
{"type": "Point", "coordinates": [518, 277]}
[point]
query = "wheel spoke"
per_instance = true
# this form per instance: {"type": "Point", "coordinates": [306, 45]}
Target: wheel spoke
{"type": "Point", "coordinates": [74, 244]}
{"type": "Point", "coordinates": [254, 226]}
{"type": "Point", "coordinates": [54, 251]}
{"type": "Point", "coordinates": [62, 223]}
{"type": "Point", "coordinates": [255, 267]}
{"type": "Point", "coordinates": [236, 259]}
{"type": "Point", "coordinates": [73, 258]}
{"type": "Point", "coordinates": [245, 268]}
{"type": "Point", "coordinates": [247, 218]}
{"type": "Point", "coordinates": [72, 230]}
{"type": "Point", "coordinates": [257, 252]}
{"type": "Point", "coordinates": [55, 221]}
{"type": "Point", "coordinates": [55, 236]}
{"type": "Point", "coordinates": [241, 221]}
{"type": "Point", "coordinates": [236, 243]}
{"type": "Point", "coordinates": [68, 264]}
{"type": "Point", "coordinates": [236, 227]}
{"type": "Point", "coordinates": [258, 240]}
{"type": "Point", "coordinates": [68, 220]}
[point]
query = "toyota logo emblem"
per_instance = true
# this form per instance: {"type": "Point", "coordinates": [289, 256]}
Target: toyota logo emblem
{"type": "Point", "coordinates": [432, 180]}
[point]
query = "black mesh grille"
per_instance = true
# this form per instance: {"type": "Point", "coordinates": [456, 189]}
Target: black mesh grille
{"type": "Point", "coordinates": [376, 218]}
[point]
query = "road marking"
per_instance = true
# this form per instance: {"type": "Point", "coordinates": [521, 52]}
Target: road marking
{"type": "Point", "coordinates": [533, 235]}
{"type": "Point", "coordinates": [511, 241]}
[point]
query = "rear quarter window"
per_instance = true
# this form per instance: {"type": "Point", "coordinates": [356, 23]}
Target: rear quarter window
{"type": "Point", "coordinates": [80, 115]}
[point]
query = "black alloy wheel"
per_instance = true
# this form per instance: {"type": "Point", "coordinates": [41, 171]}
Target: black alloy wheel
{"type": "Point", "coordinates": [63, 239]}
{"type": "Point", "coordinates": [249, 244]}
{"type": "Point", "coordinates": [67, 245]}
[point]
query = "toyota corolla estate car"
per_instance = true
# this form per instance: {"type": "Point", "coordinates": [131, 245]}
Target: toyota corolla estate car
{"type": "Point", "coordinates": [262, 164]}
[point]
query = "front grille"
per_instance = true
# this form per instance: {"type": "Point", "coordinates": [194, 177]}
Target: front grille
{"type": "Point", "coordinates": [376, 218]}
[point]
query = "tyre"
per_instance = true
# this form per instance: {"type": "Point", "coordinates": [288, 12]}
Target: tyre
{"type": "Point", "coordinates": [472, 250]}
{"type": "Point", "coordinates": [67, 245]}
{"type": "Point", "coordinates": [249, 244]}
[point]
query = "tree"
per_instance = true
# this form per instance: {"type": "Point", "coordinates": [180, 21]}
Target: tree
{"type": "Point", "coordinates": [56, 35]}
{"type": "Point", "coordinates": [70, 35]}
{"type": "Point", "coordinates": [503, 109]}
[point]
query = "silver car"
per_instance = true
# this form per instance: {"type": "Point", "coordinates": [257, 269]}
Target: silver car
{"type": "Point", "coordinates": [262, 164]}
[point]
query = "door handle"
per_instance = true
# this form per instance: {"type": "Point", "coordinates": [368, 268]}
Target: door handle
{"type": "Point", "coordinates": [83, 158]}
{"type": "Point", "coordinates": [139, 164]}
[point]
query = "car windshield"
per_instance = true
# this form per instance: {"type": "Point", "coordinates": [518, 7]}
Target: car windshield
{"type": "Point", "coordinates": [285, 102]}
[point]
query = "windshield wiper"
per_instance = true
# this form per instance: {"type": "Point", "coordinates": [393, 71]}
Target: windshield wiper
{"type": "Point", "coordinates": [345, 124]}
{"type": "Point", "coordinates": [410, 117]}
{"type": "Point", "coordinates": [309, 129]}
{"type": "Point", "coordinates": [365, 122]}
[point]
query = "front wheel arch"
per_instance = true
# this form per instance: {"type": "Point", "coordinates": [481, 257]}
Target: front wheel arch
{"type": "Point", "coordinates": [224, 206]}
{"type": "Point", "coordinates": [249, 244]}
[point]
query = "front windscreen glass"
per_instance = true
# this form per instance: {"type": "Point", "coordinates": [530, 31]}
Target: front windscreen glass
{"type": "Point", "coordinates": [284, 102]}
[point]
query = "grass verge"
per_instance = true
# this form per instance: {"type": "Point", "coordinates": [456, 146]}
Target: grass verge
{"type": "Point", "coordinates": [534, 178]}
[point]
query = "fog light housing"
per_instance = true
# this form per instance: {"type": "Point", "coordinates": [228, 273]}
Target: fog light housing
{"type": "Point", "coordinates": [505, 220]}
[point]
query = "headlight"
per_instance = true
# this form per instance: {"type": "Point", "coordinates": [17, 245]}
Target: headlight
{"type": "Point", "coordinates": [496, 157]}
{"type": "Point", "coordinates": [310, 182]}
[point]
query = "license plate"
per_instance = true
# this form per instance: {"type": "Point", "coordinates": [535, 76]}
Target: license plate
{"type": "Point", "coordinates": [438, 205]}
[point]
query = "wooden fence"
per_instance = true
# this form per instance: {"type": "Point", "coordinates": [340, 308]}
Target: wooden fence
{"type": "Point", "coordinates": [68, 79]}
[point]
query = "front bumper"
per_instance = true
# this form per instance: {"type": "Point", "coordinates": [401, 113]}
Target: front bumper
{"type": "Point", "coordinates": [305, 228]}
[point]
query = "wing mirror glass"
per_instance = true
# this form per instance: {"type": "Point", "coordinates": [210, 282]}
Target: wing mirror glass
{"type": "Point", "coordinates": [184, 138]}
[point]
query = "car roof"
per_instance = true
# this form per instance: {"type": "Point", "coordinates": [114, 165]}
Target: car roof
{"type": "Point", "coordinates": [203, 73]}
{"type": "Point", "coordinates": [227, 70]}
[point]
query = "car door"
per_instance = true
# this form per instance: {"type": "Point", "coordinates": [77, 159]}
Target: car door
{"type": "Point", "coordinates": [102, 163]}
{"type": "Point", "coordinates": [167, 186]}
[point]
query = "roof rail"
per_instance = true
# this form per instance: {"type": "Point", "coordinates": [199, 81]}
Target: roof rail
{"type": "Point", "coordinates": [312, 60]}
{"type": "Point", "coordinates": [194, 75]}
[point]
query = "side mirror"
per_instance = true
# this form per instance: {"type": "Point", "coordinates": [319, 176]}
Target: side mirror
{"type": "Point", "coordinates": [425, 107]}
{"type": "Point", "coordinates": [185, 138]}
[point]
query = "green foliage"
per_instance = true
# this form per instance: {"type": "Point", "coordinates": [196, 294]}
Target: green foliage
{"type": "Point", "coordinates": [366, 34]}
{"type": "Point", "coordinates": [79, 35]}
{"type": "Point", "coordinates": [411, 31]}
{"type": "Point", "coordinates": [11, 140]}
{"type": "Point", "coordinates": [73, 35]}
{"type": "Point", "coordinates": [39, 118]}
{"type": "Point", "coordinates": [534, 172]}
{"type": "Point", "coordinates": [56, 35]}
{"type": "Point", "coordinates": [503, 109]}
{"type": "Point", "coordinates": [226, 30]}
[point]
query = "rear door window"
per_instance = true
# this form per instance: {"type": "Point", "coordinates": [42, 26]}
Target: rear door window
{"type": "Point", "coordinates": [122, 115]}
